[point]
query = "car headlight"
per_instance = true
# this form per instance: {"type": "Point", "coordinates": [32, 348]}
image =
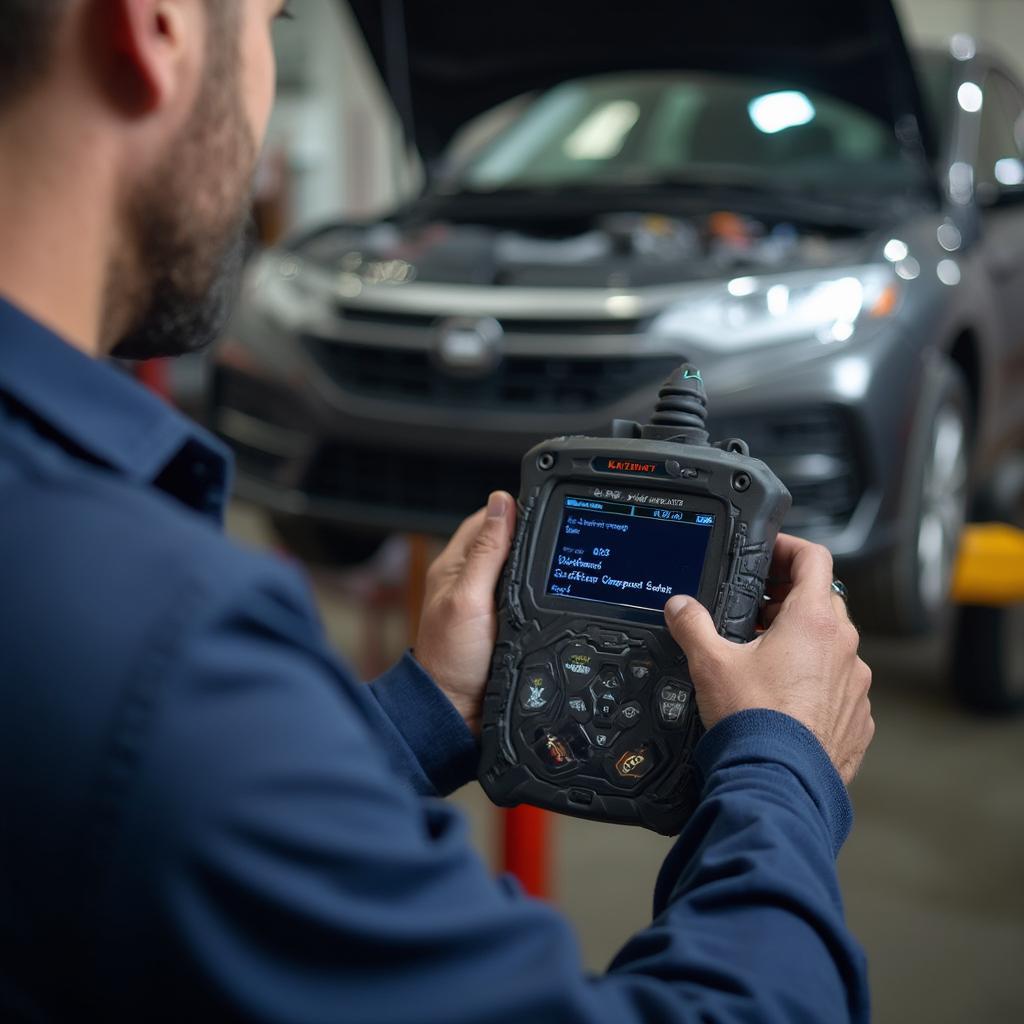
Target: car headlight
{"type": "Point", "coordinates": [766, 310]}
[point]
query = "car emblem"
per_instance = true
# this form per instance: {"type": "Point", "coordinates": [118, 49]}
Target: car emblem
{"type": "Point", "coordinates": [468, 347]}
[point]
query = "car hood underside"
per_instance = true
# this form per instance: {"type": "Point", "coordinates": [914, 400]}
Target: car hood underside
{"type": "Point", "coordinates": [445, 63]}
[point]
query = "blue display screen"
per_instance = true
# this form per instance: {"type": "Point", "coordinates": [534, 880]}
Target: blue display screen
{"type": "Point", "coordinates": [636, 556]}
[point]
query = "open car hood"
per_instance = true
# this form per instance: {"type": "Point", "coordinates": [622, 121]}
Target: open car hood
{"type": "Point", "coordinates": [446, 62]}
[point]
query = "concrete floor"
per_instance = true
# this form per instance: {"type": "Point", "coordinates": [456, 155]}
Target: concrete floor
{"type": "Point", "coordinates": [933, 874]}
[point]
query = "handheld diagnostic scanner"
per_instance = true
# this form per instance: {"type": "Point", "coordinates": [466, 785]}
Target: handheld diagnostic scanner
{"type": "Point", "coordinates": [589, 707]}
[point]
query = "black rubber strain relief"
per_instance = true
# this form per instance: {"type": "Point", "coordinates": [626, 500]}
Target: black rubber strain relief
{"type": "Point", "coordinates": [682, 403]}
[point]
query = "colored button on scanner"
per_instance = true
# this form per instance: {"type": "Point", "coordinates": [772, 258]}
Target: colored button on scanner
{"type": "Point", "coordinates": [634, 764]}
{"type": "Point", "coordinates": [536, 690]}
{"type": "Point", "coordinates": [579, 664]}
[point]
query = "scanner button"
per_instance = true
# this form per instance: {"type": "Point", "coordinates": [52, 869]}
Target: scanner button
{"type": "Point", "coordinates": [610, 680]}
{"type": "Point", "coordinates": [634, 764]}
{"type": "Point", "coordinates": [641, 670]}
{"type": "Point", "coordinates": [606, 703]}
{"type": "Point", "coordinates": [673, 691]}
{"type": "Point", "coordinates": [536, 690]}
{"type": "Point", "coordinates": [579, 663]}
{"type": "Point", "coordinates": [629, 715]}
{"type": "Point", "coordinates": [579, 708]}
{"type": "Point", "coordinates": [673, 703]}
{"type": "Point", "coordinates": [611, 640]}
{"type": "Point", "coordinates": [555, 752]}
{"type": "Point", "coordinates": [671, 714]}
{"type": "Point", "coordinates": [600, 738]}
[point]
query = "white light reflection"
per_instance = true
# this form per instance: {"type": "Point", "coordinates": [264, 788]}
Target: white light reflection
{"type": "Point", "coordinates": [1009, 171]}
{"type": "Point", "coordinates": [948, 272]}
{"type": "Point", "coordinates": [851, 377]}
{"type": "Point", "coordinates": [895, 250]}
{"type": "Point", "coordinates": [908, 269]}
{"type": "Point", "coordinates": [962, 46]}
{"type": "Point", "coordinates": [740, 286]}
{"type": "Point", "coordinates": [776, 111]}
{"type": "Point", "coordinates": [602, 134]}
{"type": "Point", "coordinates": [949, 236]}
{"type": "Point", "coordinates": [961, 182]}
{"type": "Point", "coordinates": [969, 97]}
{"type": "Point", "coordinates": [777, 300]}
{"type": "Point", "coordinates": [622, 305]}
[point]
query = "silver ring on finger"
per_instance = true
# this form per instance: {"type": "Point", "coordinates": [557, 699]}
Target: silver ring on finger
{"type": "Point", "coordinates": [839, 587]}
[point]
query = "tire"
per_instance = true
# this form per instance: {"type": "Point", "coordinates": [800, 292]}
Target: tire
{"type": "Point", "coordinates": [988, 660]}
{"type": "Point", "coordinates": [325, 544]}
{"type": "Point", "coordinates": [909, 594]}
{"type": "Point", "coordinates": [988, 652]}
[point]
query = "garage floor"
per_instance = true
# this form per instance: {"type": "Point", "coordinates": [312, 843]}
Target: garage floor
{"type": "Point", "coordinates": [933, 874]}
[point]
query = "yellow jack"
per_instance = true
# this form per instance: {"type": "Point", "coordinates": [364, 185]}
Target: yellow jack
{"type": "Point", "coordinates": [988, 641]}
{"type": "Point", "coordinates": [990, 567]}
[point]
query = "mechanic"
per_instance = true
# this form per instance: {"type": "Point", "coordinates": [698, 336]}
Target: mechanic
{"type": "Point", "coordinates": [205, 816]}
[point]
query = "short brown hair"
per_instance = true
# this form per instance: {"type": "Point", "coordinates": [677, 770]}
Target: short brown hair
{"type": "Point", "coordinates": [26, 42]}
{"type": "Point", "coordinates": [29, 27]}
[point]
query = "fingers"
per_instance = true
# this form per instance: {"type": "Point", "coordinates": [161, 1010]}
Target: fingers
{"type": "Point", "coordinates": [786, 548]}
{"type": "Point", "coordinates": [486, 549]}
{"type": "Point", "coordinates": [801, 572]}
{"type": "Point", "coordinates": [457, 549]}
{"type": "Point", "coordinates": [693, 629]}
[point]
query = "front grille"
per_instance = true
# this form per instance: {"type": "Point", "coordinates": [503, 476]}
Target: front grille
{"type": "Point", "coordinates": [814, 452]}
{"type": "Point", "coordinates": [519, 383]}
{"type": "Point", "coordinates": [559, 327]}
{"type": "Point", "coordinates": [405, 481]}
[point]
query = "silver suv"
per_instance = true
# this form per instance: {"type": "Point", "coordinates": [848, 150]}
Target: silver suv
{"type": "Point", "coordinates": [831, 228]}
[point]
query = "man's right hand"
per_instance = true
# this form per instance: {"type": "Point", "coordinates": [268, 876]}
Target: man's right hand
{"type": "Point", "coordinates": [804, 665]}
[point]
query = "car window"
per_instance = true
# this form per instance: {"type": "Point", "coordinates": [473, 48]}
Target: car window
{"type": "Point", "coordinates": [1000, 162]}
{"type": "Point", "coordinates": [648, 128]}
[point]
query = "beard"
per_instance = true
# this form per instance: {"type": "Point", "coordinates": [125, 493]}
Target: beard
{"type": "Point", "coordinates": [189, 228]}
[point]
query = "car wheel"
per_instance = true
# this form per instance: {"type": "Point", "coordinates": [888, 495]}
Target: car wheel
{"type": "Point", "coordinates": [910, 593]}
{"type": "Point", "coordinates": [988, 662]}
{"type": "Point", "coordinates": [325, 544]}
{"type": "Point", "coordinates": [988, 656]}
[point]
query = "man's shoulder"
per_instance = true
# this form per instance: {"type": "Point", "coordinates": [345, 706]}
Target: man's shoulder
{"type": "Point", "coordinates": [102, 566]}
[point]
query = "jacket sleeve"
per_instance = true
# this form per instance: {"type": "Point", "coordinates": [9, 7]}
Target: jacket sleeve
{"type": "Point", "coordinates": [265, 862]}
{"type": "Point", "coordinates": [428, 742]}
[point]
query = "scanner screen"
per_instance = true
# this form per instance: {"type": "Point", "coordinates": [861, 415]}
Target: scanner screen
{"type": "Point", "coordinates": [632, 555]}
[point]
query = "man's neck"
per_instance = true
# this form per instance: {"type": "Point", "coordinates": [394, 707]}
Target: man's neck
{"type": "Point", "coordinates": [55, 211]}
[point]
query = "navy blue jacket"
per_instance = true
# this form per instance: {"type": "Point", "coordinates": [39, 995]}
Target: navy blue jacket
{"type": "Point", "coordinates": [206, 817]}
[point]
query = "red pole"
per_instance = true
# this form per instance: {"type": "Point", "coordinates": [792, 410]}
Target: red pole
{"type": "Point", "coordinates": [153, 373]}
{"type": "Point", "coordinates": [526, 848]}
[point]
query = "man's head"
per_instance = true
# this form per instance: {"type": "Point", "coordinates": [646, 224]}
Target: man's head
{"type": "Point", "coordinates": [175, 94]}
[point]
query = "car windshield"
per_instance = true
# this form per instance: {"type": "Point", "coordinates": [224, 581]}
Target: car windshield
{"type": "Point", "coordinates": [689, 128]}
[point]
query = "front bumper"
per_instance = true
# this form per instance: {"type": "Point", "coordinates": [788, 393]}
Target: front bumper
{"type": "Point", "coordinates": [388, 442]}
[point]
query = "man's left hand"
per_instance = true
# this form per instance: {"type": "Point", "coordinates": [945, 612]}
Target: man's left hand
{"type": "Point", "coordinates": [459, 624]}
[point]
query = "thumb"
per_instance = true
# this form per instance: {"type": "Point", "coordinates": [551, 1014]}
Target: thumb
{"type": "Point", "coordinates": [692, 628]}
{"type": "Point", "coordinates": [488, 550]}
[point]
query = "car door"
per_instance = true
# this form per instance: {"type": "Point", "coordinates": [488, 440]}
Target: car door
{"type": "Point", "coordinates": [999, 177]}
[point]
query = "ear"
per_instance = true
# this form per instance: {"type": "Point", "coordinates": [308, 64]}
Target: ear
{"type": "Point", "coordinates": [150, 40]}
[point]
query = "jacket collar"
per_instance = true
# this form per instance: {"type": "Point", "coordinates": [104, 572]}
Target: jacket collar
{"type": "Point", "coordinates": [100, 412]}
